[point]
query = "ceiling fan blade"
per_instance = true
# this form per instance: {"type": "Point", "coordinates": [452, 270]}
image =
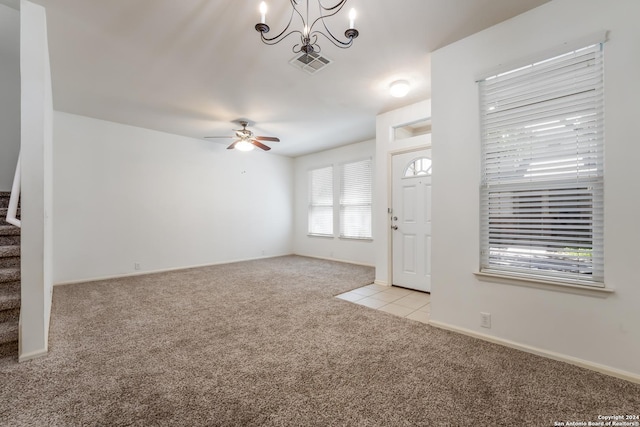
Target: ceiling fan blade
{"type": "Point", "coordinates": [268, 138]}
{"type": "Point", "coordinates": [208, 137]}
{"type": "Point", "coordinates": [260, 145]}
{"type": "Point", "coordinates": [233, 144]}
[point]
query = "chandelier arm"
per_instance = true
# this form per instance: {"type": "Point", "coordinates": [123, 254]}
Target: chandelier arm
{"type": "Point", "coordinates": [294, 3]}
{"type": "Point", "coordinates": [277, 38]}
{"type": "Point", "coordinates": [338, 6]}
{"type": "Point", "coordinates": [334, 40]}
{"type": "Point", "coordinates": [308, 37]}
{"type": "Point", "coordinates": [335, 10]}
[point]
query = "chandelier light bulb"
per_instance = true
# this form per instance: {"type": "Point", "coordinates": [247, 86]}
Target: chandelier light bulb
{"type": "Point", "coordinates": [399, 88]}
{"type": "Point", "coordinates": [263, 12]}
{"type": "Point", "coordinates": [352, 18]}
{"type": "Point", "coordinates": [244, 145]}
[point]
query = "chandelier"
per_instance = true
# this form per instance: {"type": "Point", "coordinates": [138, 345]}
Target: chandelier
{"type": "Point", "coordinates": [310, 29]}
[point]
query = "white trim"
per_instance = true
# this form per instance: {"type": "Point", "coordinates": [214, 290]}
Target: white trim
{"type": "Point", "coordinates": [364, 264]}
{"type": "Point", "coordinates": [15, 197]}
{"type": "Point", "coordinates": [357, 239]}
{"type": "Point", "coordinates": [603, 369]}
{"type": "Point", "coordinates": [381, 283]}
{"type": "Point", "coordinates": [163, 270]}
{"type": "Point", "coordinates": [567, 46]}
{"type": "Point", "coordinates": [322, 236]}
{"type": "Point", "coordinates": [539, 283]}
{"type": "Point", "coordinates": [33, 355]}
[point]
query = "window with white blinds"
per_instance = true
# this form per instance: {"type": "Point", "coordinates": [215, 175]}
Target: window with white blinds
{"type": "Point", "coordinates": [355, 199]}
{"type": "Point", "coordinates": [542, 169]}
{"type": "Point", "coordinates": [321, 201]}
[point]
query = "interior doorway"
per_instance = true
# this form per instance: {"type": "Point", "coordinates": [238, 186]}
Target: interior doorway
{"type": "Point", "coordinates": [411, 220]}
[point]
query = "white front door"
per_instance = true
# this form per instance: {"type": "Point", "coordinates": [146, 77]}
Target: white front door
{"type": "Point", "coordinates": [411, 220]}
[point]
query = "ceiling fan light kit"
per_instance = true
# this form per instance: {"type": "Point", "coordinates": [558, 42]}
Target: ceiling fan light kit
{"type": "Point", "coordinates": [246, 141]}
{"type": "Point", "coordinates": [310, 30]}
{"type": "Point", "coordinates": [243, 145]}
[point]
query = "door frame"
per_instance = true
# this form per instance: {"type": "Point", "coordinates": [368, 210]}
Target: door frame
{"type": "Point", "coordinates": [390, 155]}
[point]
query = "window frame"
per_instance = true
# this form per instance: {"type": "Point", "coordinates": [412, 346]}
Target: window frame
{"type": "Point", "coordinates": [342, 206]}
{"type": "Point", "coordinates": [595, 184]}
{"type": "Point", "coordinates": [313, 206]}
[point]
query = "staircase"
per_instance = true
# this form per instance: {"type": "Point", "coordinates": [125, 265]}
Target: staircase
{"type": "Point", "coordinates": [9, 281]}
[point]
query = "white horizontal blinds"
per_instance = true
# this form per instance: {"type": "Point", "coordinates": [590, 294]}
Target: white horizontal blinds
{"type": "Point", "coordinates": [355, 199]}
{"type": "Point", "coordinates": [542, 170]}
{"type": "Point", "coordinates": [321, 201]}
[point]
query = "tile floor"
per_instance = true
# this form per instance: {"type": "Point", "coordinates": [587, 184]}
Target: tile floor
{"type": "Point", "coordinates": [402, 302]}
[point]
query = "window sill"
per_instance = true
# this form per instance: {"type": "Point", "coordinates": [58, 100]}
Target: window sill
{"type": "Point", "coordinates": [542, 283]}
{"type": "Point", "coordinates": [321, 236]}
{"type": "Point", "coordinates": [359, 239]}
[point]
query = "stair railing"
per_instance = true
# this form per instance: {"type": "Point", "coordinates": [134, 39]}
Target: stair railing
{"type": "Point", "coordinates": [15, 198]}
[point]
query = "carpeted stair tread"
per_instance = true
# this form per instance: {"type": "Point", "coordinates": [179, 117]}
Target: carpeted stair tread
{"type": "Point", "coordinates": [10, 315]}
{"type": "Point", "coordinates": [4, 199]}
{"type": "Point", "coordinates": [9, 274]}
{"type": "Point", "coordinates": [8, 251]}
{"type": "Point", "coordinates": [4, 210]}
{"type": "Point", "coordinates": [10, 240]}
{"type": "Point", "coordinates": [8, 332]}
{"type": "Point", "coordinates": [9, 230]}
{"type": "Point", "coordinates": [3, 216]}
{"type": "Point", "coordinates": [9, 256]}
{"type": "Point", "coordinates": [9, 295]}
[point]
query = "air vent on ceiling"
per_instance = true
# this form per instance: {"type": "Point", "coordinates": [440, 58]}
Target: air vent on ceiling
{"type": "Point", "coordinates": [310, 63]}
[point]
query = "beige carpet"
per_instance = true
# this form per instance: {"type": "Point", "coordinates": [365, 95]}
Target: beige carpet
{"type": "Point", "coordinates": [265, 343]}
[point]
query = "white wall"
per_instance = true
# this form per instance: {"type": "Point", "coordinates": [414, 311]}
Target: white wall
{"type": "Point", "coordinates": [36, 194]}
{"type": "Point", "coordinates": [599, 329]}
{"type": "Point", "coordinates": [9, 94]}
{"type": "Point", "coordinates": [349, 250]}
{"type": "Point", "coordinates": [126, 195]}
{"type": "Point", "coordinates": [387, 144]}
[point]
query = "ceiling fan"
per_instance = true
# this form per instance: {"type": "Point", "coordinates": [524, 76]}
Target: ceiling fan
{"type": "Point", "coordinates": [247, 140]}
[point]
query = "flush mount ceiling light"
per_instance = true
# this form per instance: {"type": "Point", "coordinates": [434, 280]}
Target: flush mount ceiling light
{"type": "Point", "coordinates": [310, 30]}
{"type": "Point", "coordinates": [399, 88]}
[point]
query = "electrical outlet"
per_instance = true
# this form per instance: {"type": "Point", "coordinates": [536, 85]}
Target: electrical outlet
{"type": "Point", "coordinates": [485, 320]}
{"type": "Point", "coordinates": [136, 266]}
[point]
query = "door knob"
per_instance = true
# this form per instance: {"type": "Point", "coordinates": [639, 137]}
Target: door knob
{"type": "Point", "coordinates": [394, 227]}
{"type": "Point", "coordinates": [395, 218]}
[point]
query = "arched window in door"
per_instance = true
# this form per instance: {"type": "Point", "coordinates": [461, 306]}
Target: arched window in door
{"type": "Point", "coordinates": [418, 167]}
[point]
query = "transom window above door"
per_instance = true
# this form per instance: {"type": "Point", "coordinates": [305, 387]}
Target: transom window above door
{"type": "Point", "coordinates": [418, 167]}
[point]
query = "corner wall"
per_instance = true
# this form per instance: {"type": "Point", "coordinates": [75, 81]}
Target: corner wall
{"type": "Point", "coordinates": [598, 330]}
{"type": "Point", "coordinates": [36, 195]}
{"type": "Point", "coordinates": [127, 195]}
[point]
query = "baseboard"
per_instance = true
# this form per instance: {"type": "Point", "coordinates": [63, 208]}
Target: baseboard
{"type": "Point", "coordinates": [381, 283]}
{"type": "Point", "coordinates": [162, 270]}
{"type": "Point", "coordinates": [32, 355]}
{"type": "Point", "coordinates": [337, 260]}
{"type": "Point", "coordinates": [603, 369]}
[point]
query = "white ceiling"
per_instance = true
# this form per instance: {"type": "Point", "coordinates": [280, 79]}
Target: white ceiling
{"type": "Point", "coordinates": [191, 67]}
